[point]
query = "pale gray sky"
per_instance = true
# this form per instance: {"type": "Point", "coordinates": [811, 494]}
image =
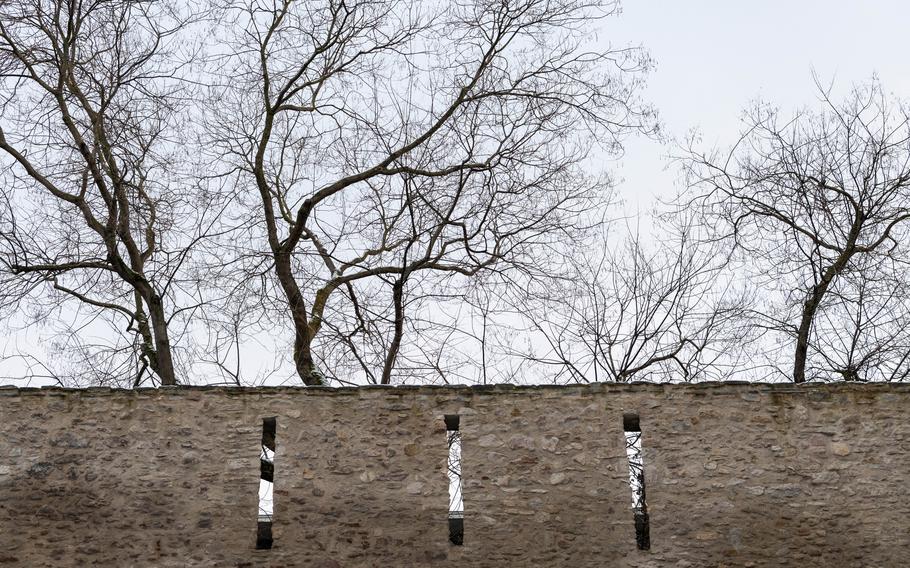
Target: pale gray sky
{"type": "Point", "coordinates": [715, 56]}
{"type": "Point", "coordinates": [712, 58]}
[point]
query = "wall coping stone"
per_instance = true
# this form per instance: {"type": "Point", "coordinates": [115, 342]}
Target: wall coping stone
{"type": "Point", "coordinates": [703, 388]}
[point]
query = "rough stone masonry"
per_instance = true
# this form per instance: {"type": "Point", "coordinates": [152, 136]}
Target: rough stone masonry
{"type": "Point", "coordinates": [737, 475]}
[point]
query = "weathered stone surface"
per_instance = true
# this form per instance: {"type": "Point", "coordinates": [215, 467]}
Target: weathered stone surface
{"type": "Point", "coordinates": [737, 475]}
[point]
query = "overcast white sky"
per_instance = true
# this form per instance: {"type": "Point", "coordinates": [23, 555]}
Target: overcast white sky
{"type": "Point", "coordinates": [715, 56]}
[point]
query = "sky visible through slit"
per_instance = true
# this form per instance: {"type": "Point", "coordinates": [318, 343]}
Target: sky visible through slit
{"type": "Point", "coordinates": [266, 503]}
{"type": "Point", "coordinates": [456, 500]}
{"type": "Point", "coordinates": [633, 452]}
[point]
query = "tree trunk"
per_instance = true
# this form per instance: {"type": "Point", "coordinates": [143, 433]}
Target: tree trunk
{"type": "Point", "coordinates": [163, 358]}
{"type": "Point", "coordinates": [303, 358]}
{"type": "Point", "coordinates": [303, 355]}
{"type": "Point", "coordinates": [810, 307]}
{"type": "Point", "coordinates": [802, 337]}
{"type": "Point", "coordinates": [397, 298]}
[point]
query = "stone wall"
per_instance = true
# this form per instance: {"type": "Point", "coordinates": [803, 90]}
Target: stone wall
{"type": "Point", "coordinates": [737, 475]}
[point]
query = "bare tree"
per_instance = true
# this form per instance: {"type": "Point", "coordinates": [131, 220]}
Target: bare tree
{"type": "Point", "coordinates": [817, 206]}
{"type": "Point", "coordinates": [862, 328]}
{"type": "Point", "coordinates": [630, 311]}
{"type": "Point", "coordinates": [96, 215]}
{"type": "Point", "coordinates": [392, 146]}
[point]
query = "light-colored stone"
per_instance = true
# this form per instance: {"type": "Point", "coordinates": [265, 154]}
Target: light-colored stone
{"type": "Point", "coordinates": [489, 441]}
{"type": "Point", "coordinates": [840, 449]}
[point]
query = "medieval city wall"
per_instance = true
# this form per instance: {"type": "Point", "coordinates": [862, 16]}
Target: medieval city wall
{"type": "Point", "coordinates": [736, 475]}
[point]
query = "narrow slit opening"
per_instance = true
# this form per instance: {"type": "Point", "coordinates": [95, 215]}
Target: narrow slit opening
{"type": "Point", "coordinates": [632, 428]}
{"type": "Point", "coordinates": [266, 484]}
{"type": "Point", "coordinates": [456, 501]}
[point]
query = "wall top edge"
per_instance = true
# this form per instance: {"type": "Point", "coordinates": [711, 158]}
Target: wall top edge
{"type": "Point", "coordinates": [731, 387]}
